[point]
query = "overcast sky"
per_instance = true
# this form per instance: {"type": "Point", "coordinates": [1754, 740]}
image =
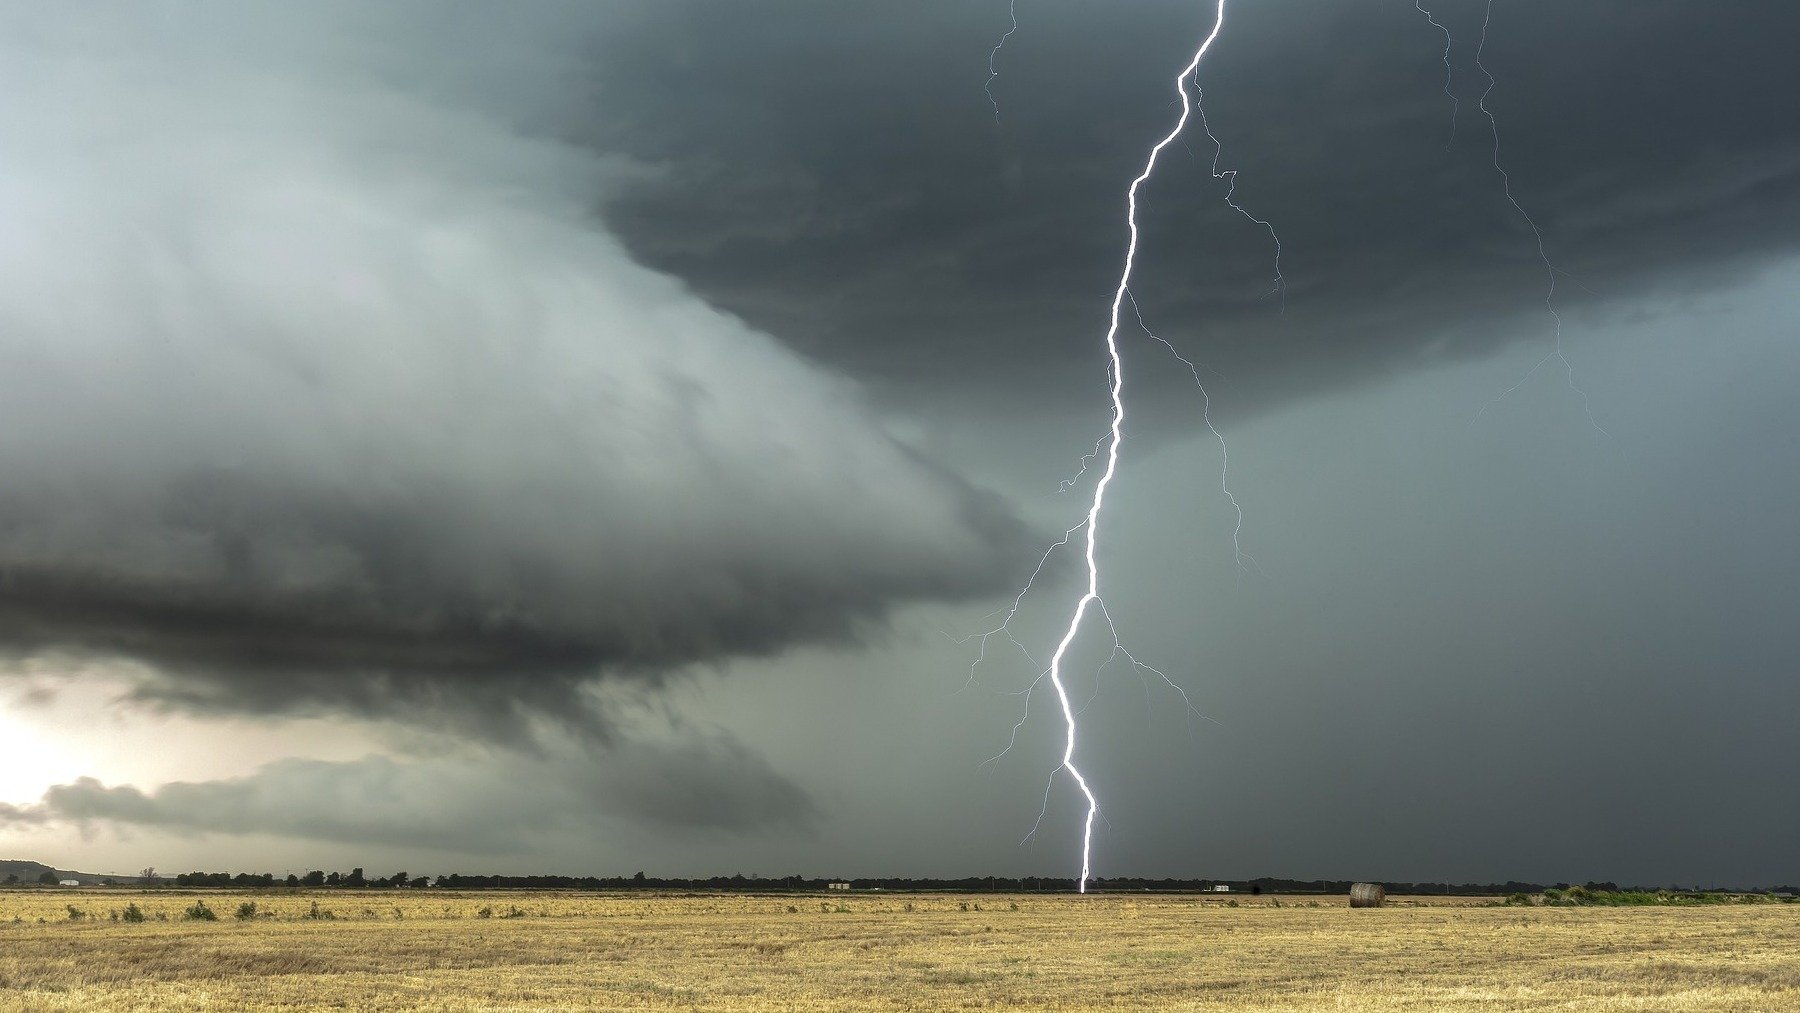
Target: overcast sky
{"type": "Point", "coordinates": [595, 437]}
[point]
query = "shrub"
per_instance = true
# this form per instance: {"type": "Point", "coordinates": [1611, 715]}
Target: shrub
{"type": "Point", "coordinates": [199, 913]}
{"type": "Point", "coordinates": [76, 914]}
{"type": "Point", "coordinates": [133, 913]}
{"type": "Point", "coordinates": [246, 911]}
{"type": "Point", "coordinates": [486, 912]}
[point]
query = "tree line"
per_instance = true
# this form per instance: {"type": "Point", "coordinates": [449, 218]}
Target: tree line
{"type": "Point", "coordinates": [357, 879]}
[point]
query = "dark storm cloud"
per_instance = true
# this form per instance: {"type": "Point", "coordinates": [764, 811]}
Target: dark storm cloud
{"type": "Point", "coordinates": [322, 389]}
{"type": "Point", "coordinates": [835, 173]}
{"type": "Point", "coordinates": [494, 804]}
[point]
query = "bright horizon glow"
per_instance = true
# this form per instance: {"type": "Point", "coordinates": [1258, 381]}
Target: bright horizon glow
{"type": "Point", "coordinates": [30, 760]}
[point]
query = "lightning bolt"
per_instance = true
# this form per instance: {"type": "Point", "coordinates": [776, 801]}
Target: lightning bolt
{"type": "Point", "coordinates": [1230, 178]}
{"type": "Point", "coordinates": [1237, 529]}
{"type": "Point", "coordinates": [1107, 447]}
{"type": "Point", "coordinates": [1012, 10]}
{"type": "Point", "coordinates": [1115, 432]}
{"type": "Point", "coordinates": [1455, 103]}
{"type": "Point", "coordinates": [1537, 234]}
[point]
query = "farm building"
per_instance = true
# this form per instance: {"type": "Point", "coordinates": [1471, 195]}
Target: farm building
{"type": "Point", "coordinates": [69, 882]}
{"type": "Point", "coordinates": [837, 886]}
{"type": "Point", "coordinates": [1221, 888]}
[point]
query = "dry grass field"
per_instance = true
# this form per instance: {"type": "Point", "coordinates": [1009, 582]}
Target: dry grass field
{"type": "Point", "coordinates": [433, 950]}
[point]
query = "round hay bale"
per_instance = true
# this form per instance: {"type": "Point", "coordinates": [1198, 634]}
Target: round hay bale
{"type": "Point", "coordinates": [1367, 895]}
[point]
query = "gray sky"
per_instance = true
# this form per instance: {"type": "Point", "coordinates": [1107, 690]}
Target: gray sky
{"type": "Point", "coordinates": [586, 441]}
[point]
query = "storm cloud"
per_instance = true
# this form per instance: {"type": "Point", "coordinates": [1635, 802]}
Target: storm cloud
{"type": "Point", "coordinates": [600, 364]}
{"type": "Point", "coordinates": [495, 803]}
{"type": "Point", "coordinates": [853, 191]}
{"type": "Point", "coordinates": [324, 390]}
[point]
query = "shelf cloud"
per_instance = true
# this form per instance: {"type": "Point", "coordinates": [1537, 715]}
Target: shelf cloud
{"type": "Point", "coordinates": [325, 390]}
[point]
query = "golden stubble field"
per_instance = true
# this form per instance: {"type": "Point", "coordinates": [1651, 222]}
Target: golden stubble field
{"type": "Point", "coordinates": [434, 950]}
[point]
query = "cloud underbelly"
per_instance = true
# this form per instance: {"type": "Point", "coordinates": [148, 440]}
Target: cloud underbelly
{"type": "Point", "coordinates": [316, 397]}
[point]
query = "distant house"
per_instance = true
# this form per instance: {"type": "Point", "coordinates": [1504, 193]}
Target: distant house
{"type": "Point", "coordinates": [69, 882]}
{"type": "Point", "coordinates": [1221, 888]}
{"type": "Point", "coordinates": [837, 886]}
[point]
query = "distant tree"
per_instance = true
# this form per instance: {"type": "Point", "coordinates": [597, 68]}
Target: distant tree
{"type": "Point", "coordinates": [315, 878]}
{"type": "Point", "coordinates": [149, 875]}
{"type": "Point", "coordinates": [335, 879]}
{"type": "Point", "coordinates": [400, 879]}
{"type": "Point", "coordinates": [355, 878]}
{"type": "Point", "coordinates": [639, 877]}
{"type": "Point", "coordinates": [47, 878]}
{"type": "Point", "coordinates": [293, 880]}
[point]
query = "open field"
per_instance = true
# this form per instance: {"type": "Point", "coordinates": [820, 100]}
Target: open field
{"type": "Point", "coordinates": [435, 950]}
